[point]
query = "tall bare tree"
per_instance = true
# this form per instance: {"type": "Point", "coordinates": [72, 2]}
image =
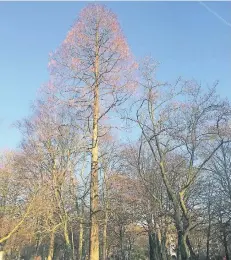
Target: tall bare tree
{"type": "Point", "coordinates": [184, 128]}
{"type": "Point", "coordinates": [94, 66]}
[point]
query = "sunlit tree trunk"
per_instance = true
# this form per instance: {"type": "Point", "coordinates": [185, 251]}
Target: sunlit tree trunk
{"type": "Point", "coordinates": [67, 239]}
{"type": "Point", "coordinates": [72, 242]}
{"type": "Point", "coordinates": [51, 247]}
{"type": "Point", "coordinates": [94, 196]}
{"type": "Point", "coordinates": [2, 253]}
{"type": "Point", "coordinates": [106, 204]}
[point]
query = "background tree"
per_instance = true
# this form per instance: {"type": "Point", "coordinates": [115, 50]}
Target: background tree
{"type": "Point", "coordinates": [188, 132]}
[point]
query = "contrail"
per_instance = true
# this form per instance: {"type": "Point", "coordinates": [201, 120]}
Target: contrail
{"type": "Point", "coordinates": [216, 14]}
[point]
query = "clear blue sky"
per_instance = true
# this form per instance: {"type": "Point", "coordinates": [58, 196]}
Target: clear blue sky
{"type": "Point", "coordinates": [188, 39]}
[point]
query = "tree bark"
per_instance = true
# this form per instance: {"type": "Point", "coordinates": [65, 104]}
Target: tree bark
{"type": "Point", "coordinates": [106, 204]}
{"type": "Point", "coordinates": [225, 245]}
{"type": "Point", "coordinates": [51, 247]}
{"type": "Point", "coordinates": [122, 243]}
{"type": "Point", "coordinates": [154, 247]}
{"type": "Point", "coordinates": [94, 196]}
{"type": "Point", "coordinates": [72, 242]}
{"type": "Point", "coordinates": [80, 248]}
{"type": "Point", "coordinates": [67, 240]}
{"type": "Point", "coordinates": [164, 252]}
{"type": "Point", "coordinates": [2, 253]}
{"type": "Point", "coordinates": [105, 236]}
{"type": "Point", "coordinates": [208, 232]}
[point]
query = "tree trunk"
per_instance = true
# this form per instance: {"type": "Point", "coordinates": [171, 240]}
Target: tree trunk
{"type": "Point", "coordinates": [154, 247]}
{"type": "Point", "coordinates": [225, 244]}
{"type": "Point", "coordinates": [80, 247]}
{"type": "Point", "coordinates": [94, 196]}
{"type": "Point", "coordinates": [72, 242]}
{"type": "Point", "coordinates": [182, 248]}
{"type": "Point", "coordinates": [105, 219]}
{"type": "Point", "coordinates": [164, 252]}
{"type": "Point", "coordinates": [67, 240]}
{"type": "Point", "coordinates": [208, 233]}
{"type": "Point", "coordinates": [183, 252]}
{"type": "Point", "coordinates": [192, 253]}
{"type": "Point", "coordinates": [105, 236]}
{"type": "Point", "coordinates": [122, 243]}
{"type": "Point", "coordinates": [151, 247]}
{"type": "Point", "coordinates": [51, 247]}
{"type": "Point", "coordinates": [2, 253]}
